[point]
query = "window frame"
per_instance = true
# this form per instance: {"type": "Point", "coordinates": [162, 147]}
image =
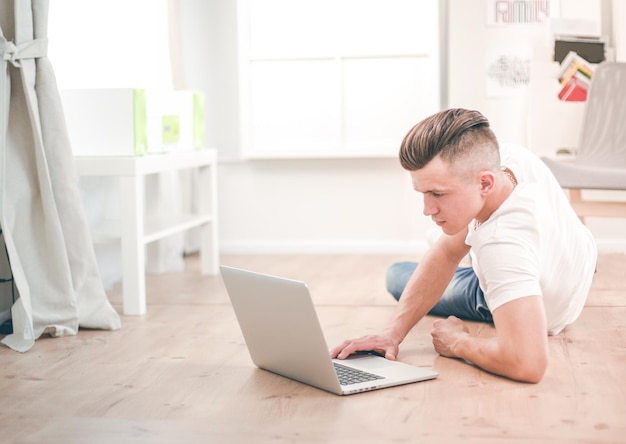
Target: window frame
{"type": "Point", "coordinates": [430, 60]}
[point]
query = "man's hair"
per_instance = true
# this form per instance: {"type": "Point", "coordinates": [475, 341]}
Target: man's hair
{"type": "Point", "coordinates": [453, 134]}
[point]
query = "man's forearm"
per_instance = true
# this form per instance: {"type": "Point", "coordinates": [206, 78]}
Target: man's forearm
{"type": "Point", "coordinates": [422, 292]}
{"type": "Point", "coordinates": [519, 351]}
{"type": "Point", "coordinates": [487, 354]}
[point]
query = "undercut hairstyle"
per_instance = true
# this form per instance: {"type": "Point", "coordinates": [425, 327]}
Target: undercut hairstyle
{"type": "Point", "coordinates": [455, 135]}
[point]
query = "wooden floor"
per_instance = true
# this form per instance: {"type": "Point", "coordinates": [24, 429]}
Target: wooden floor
{"type": "Point", "coordinates": [182, 374]}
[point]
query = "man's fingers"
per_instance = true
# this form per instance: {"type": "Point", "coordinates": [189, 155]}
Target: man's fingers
{"type": "Point", "coordinates": [337, 350]}
{"type": "Point", "coordinates": [379, 344]}
{"type": "Point", "coordinates": [391, 356]}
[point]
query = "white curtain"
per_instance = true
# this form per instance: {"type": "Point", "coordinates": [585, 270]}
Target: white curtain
{"type": "Point", "coordinates": [50, 277]}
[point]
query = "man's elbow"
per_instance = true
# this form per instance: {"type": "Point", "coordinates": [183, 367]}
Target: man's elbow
{"type": "Point", "coordinates": [532, 370]}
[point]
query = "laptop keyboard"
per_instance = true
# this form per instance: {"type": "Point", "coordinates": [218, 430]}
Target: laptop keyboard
{"type": "Point", "coordinates": [348, 375]}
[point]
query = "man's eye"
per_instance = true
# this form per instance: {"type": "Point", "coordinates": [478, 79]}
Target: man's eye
{"type": "Point", "coordinates": [437, 194]}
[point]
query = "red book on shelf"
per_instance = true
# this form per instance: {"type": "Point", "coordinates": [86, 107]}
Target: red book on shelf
{"type": "Point", "coordinates": [575, 90]}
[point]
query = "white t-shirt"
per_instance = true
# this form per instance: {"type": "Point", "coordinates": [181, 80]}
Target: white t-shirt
{"type": "Point", "coordinates": [534, 244]}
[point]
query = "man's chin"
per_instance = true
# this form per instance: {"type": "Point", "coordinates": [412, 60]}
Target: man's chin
{"type": "Point", "coordinates": [450, 231]}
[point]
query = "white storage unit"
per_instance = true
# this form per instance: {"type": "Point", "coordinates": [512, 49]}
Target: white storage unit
{"type": "Point", "coordinates": [137, 231]}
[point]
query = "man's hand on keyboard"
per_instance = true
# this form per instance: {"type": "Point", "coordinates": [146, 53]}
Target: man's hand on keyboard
{"type": "Point", "coordinates": [384, 345]}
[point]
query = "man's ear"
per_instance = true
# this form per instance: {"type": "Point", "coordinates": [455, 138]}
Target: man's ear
{"type": "Point", "coordinates": [487, 181]}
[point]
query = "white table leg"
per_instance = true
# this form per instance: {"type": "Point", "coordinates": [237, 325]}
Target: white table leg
{"type": "Point", "coordinates": [207, 203]}
{"type": "Point", "coordinates": [133, 254]}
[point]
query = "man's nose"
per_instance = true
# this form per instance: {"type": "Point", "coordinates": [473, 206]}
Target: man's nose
{"type": "Point", "coordinates": [429, 207]}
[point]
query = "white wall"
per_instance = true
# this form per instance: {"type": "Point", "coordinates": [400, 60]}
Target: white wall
{"type": "Point", "coordinates": [314, 206]}
{"type": "Point", "coordinates": [619, 29]}
{"type": "Point", "coordinates": [276, 206]}
{"type": "Point", "coordinates": [341, 205]}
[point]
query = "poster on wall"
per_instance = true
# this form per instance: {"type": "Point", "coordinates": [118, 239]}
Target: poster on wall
{"type": "Point", "coordinates": [514, 12]}
{"type": "Point", "coordinates": [508, 71]}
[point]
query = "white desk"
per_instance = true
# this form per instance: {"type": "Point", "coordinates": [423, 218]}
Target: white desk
{"type": "Point", "coordinates": [137, 232]}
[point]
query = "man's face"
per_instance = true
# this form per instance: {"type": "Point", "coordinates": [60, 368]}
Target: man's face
{"type": "Point", "coordinates": [450, 200]}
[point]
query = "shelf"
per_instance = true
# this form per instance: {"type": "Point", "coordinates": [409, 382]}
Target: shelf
{"type": "Point", "coordinates": [136, 230]}
{"type": "Point", "coordinates": [155, 228]}
{"type": "Point", "coordinates": [159, 228]}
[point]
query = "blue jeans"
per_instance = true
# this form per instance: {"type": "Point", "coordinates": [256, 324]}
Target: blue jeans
{"type": "Point", "coordinates": [462, 298]}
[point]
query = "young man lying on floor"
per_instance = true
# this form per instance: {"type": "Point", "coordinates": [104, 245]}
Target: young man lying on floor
{"type": "Point", "coordinates": [532, 259]}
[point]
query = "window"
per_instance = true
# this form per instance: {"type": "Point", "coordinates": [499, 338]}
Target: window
{"type": "Point", "coordinates": [112, 44]}
{"type": "Point", "coordinates": [334, 78]}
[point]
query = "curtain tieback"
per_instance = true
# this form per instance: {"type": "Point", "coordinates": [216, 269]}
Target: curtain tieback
{"type": "Point", "coordinates": [13, 53]}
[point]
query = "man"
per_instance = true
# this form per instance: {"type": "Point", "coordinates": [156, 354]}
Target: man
{"type": "Point", "coordinates": [532, 259]}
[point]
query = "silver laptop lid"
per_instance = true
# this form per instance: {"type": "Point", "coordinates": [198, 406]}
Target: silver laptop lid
{"type": "Point", "coordinates": [280, 326]}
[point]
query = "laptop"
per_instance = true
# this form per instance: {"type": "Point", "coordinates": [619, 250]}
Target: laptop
{"type": "Point", "coordinates": [283, 335]}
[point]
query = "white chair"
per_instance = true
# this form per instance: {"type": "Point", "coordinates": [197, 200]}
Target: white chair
{"type": "Point", "coordinates": [600, 162]}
